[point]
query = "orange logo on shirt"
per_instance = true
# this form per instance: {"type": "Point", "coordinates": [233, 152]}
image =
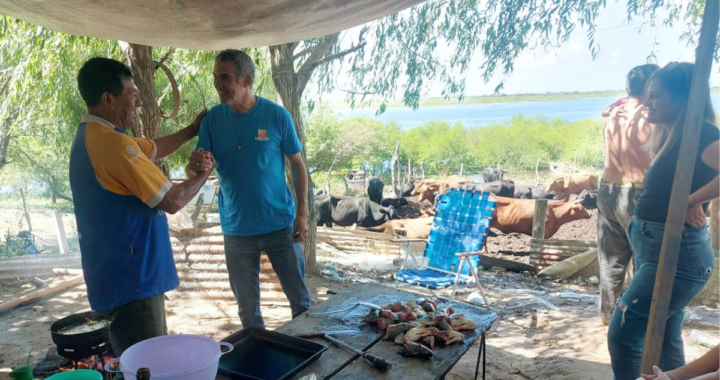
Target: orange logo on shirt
{"type": "Point", "coordinates": [262, 135]}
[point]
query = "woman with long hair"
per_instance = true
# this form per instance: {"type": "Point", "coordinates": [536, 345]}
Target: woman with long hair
{"type": "Point", "coordinates": [667, 94]}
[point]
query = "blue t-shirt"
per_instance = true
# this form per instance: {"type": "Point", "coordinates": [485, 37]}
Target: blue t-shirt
{"type": "Point", "coordinates": [654, 201]}
{"type": "Point", "coordinates": [249, 150]}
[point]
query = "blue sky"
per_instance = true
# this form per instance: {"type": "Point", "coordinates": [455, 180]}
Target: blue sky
{"type": "Point", "coordinates": [571, 67]}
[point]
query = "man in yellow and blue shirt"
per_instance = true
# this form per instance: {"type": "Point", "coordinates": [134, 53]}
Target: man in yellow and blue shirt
{"type": "Point", "coordinates": [120, 200]}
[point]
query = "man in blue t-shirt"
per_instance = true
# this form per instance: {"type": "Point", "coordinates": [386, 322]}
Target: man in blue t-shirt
{"type": "Point", "coordinates": [250, 137]}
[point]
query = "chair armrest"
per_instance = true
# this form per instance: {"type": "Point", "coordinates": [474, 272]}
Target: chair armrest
{"type": "Point", "coordinates": [408, 240]}
{"type": "Point", "coordinates": [468, 254]}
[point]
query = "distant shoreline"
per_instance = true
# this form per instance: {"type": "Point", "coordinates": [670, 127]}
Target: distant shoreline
{"type": "Point", "coordinates": [559, 96]}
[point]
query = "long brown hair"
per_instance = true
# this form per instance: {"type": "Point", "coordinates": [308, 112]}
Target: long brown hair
{"type": "Point", "coordinates": [676, 78]}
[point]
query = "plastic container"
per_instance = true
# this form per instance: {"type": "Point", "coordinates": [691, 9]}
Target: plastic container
{"type": "Point", "coordinates": [267, 355]}
{"type": "Point", "coordinates": [177, 357]}
{"type": "Point", "coordinates": [704, 339]}
{"type": "Point", "coordinates": [23, 372]}
{"type": "Point", "coordinates": [78, 374]}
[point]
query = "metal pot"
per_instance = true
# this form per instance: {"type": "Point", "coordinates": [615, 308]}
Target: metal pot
{"type": "Point", "coordinates": [82, 345]}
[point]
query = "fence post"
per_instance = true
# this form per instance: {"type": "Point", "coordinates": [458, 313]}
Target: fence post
{"type": "Point", "coordinates": [60, 231]}
{"type": "Point", "coordinates": [393, 162]}
{"type": "Point", "coordinates": [422, 167]}
{"type": "Point", "coordinates": [576, 156]}
{"type": "Point", "coordinates": [537, 173]}
{"type": "Point", "coordinates": [461, 169]}
{"type": "Point", "coordinates": [538, 227]}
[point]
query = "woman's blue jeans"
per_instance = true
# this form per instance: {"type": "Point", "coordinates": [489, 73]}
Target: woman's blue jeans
{"type": "Point", "coordinates": [626, 335]}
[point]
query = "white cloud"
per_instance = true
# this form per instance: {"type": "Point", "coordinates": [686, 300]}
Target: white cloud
{"type": "Point", "coordinates": [614, 61]}
{"type": "Point", "coordinates": [615, 54]}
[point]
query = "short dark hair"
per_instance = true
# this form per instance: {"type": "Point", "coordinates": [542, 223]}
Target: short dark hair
{"type": "Point", "coordinates": [243, 63]}
{"type": "Point", "coordinates": [638, 77]}
{"type": "Point", "coordinates": [100, 75]}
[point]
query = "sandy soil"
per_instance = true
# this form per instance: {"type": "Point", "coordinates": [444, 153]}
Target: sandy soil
{"type": "Point", "coordinates": [546, 329]}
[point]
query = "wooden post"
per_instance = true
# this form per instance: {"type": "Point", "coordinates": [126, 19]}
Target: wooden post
{"type": "Point", "coordinates": [422, 167]}
{"type": "Point", "coordinates": [538, 227]}
{"type": "Point", "coordinates": [25, 210]}
{"type": "Point", "coordinates": [537, 172]}
{"type": "Point", "coordinates": [461, 169]}
{"type": "Point", "coordinates": [60, 231]}
{"type": "Point", "coordinates": [665, 277]}
{"type": "Point", "coordinates": [409, 169]}
{"type": "Point", "coordinates": [393, 162]}
{"type": "Point", "coordinates": [576, 156]}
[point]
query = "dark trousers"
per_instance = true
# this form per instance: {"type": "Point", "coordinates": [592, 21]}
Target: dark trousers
{"type": "Point", "coordinates": [136, 321]}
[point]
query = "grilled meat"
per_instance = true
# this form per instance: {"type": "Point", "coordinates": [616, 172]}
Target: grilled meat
{"type": "Point", "coordinates": [415, 350]}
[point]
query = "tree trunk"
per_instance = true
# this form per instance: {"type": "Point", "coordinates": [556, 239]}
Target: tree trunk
{"type": "Point", "coordinates": [287, 87]}
{"type": "Point", "coordinates": [4, 143]}
{"type": "Point", "coordinates": [140, 61]}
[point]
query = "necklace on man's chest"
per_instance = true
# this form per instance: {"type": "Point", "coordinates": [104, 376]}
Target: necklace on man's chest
{"type": "Point", "coordinates": [238, 135]}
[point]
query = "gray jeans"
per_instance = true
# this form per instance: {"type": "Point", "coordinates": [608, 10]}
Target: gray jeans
{"type": "Point", "coordinates": [615, 211]}
{"type": "Point", "coordinates": [242, 254]}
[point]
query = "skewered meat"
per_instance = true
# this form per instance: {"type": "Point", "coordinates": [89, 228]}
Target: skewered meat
{"type": "Point", "coordinates": [428, 341]}
{"type": "Point", "coordinates": [384, 323]}
{"type": "Point", "coordinates": [400, 339]}
{"type": "Point", "coordinates": [416, 333]}
{"type": "Point", "coordinates": [462, 324]}
{"type": "Point", "coordinates": [415, 350]}
{"type": "Point", "coordinates": [397, 306]}
{"type": "Point", "coordinates": [450, 337]}
{"type": "Point", "coordinates": [394, 330]}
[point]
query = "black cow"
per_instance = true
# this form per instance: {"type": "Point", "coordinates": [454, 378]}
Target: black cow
{"type": "Point", "coordinates": [407, 189]}
{"type": "Point", "coordinates": [394, 202]}
{"type": "Point", "coordinates": [524, 192]}
{"type": "Point", "coordinates": [492, 175]}
{"type": "Point", "coordinates": [346, 211]}
{"type": "Point", "coordinates": [588, 198]}
{"type": "Point", "coordinates": [501, 188]}
{"type": "Point", "coordinates": [375, 190]}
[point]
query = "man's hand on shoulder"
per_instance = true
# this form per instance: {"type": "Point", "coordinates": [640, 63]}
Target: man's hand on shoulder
{"type": "Point", "coordinates": [195, 125]}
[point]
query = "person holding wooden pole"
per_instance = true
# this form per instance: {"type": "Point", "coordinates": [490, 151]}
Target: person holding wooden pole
{"type": "Point", "coordinates": [667, 94]}
{"type": "Point", "coordinates": [707, 367]}
{"type": "Point", "coordinates": [625, 132]}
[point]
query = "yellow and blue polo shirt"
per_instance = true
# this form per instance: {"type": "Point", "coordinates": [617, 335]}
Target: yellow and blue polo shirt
{"type": "Point", "coordinates": [124, 237]}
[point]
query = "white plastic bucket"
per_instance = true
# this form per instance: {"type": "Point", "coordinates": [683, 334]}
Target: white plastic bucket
{"type": "Point", "coordinates": [178, 357]}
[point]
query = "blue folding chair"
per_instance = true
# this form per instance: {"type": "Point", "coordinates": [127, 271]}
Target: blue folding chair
{"type": "Point", "coordinates": [458, 233]}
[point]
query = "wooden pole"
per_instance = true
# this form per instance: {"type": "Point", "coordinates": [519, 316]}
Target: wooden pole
{"type": "Point", "coordinates": [393, 162]}
{"type": "Point", "coordinates": [576, 156]}
{"type": "Point", "coordinates": [422, 167]}
{"type": "Point", "coordinates": [409, 169]}
{"type": "Point", "coordinates": [667, 264]}
{"type": "Point", "coordinates": [461, 169]}
{"type": "Point", "coordinates": [60, 286]}
{"type": "Point", "coordinates": [60, 231]}
{"type": "Point", "coordinates": [538, 227]}
{"type": "Point", "coordinates": [25, 210]}
{"type": "Point", "coordinates": [537, 172]}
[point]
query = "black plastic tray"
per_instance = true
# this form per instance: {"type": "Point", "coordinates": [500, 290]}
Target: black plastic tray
{"type": "Point", "coordinates": [267, 355]}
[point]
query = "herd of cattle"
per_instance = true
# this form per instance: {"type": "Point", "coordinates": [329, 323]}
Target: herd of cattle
{"type": "Point", "coordinates": [570, 197]}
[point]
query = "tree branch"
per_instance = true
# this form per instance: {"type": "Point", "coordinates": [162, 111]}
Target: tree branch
{"type": "Point", "coordinates": [304, 52]}
{"type": "Point", "coordinates": [339, 55]}
{"type": "Point", "coordinates": [47, 172]}
{"type": "Point", "coordinates": [318, 52]}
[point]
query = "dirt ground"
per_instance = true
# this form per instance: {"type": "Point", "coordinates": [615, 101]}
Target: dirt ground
{"type": "Point", "coordinates": [546, 329]}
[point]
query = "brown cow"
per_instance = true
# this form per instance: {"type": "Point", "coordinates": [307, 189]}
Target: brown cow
{"type": "Point", "coordinates": [429, 187]}
{"type": "Point", "coordinates": [414, 228]}
{"type": "Point", "coordinates": [566, 185]}
{"type": "Point", "coordinates": [516, 215]}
